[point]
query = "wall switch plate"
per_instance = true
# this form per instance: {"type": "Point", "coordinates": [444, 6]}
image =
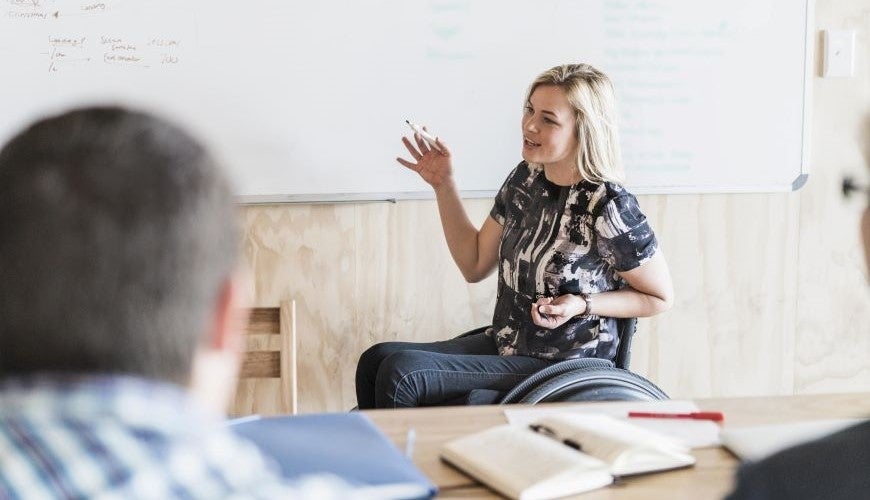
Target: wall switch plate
{"type": "Point", "coordinates": [839, 55]}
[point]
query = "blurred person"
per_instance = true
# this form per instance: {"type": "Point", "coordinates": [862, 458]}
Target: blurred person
{"type": "Point", "coordinates": [120, 315]}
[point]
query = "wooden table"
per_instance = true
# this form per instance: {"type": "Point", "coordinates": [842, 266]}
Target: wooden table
{"type": "Point", "coordinates": [711, 477]}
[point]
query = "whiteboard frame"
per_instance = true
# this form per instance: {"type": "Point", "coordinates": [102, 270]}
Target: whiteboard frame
{"type": "Point", "coordinates": [797, 183]}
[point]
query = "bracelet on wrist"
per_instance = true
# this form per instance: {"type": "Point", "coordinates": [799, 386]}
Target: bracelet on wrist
{"type": "Point", "coordinates": [587, 301]}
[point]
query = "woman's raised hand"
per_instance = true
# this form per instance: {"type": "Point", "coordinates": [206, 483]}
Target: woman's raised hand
{"type": "Point", "coordinates": [433, 166]}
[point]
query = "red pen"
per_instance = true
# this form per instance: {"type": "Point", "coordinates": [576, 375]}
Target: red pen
{"type": "Point", "coordinates": [715, 416]}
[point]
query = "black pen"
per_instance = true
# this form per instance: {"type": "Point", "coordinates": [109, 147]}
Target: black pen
{"type": "Point", "coordinates": [543, 429]}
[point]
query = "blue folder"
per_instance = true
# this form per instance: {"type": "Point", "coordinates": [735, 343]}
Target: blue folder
{"type": "Point", "coordinates": [348, 445]}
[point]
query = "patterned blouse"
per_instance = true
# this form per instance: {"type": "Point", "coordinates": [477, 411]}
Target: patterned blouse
{"type": "Point", "coordinates": [558, 240]}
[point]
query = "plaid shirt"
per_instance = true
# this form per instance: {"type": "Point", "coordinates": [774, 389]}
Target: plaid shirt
{"type": "Point", "coordinates": [127, 438]}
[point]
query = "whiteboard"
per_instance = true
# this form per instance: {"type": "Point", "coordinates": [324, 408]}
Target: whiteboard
{"type": "Point", "coordinates": [306, 101]}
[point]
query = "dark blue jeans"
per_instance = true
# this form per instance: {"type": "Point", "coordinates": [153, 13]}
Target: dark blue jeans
{"type": "Point", "coordinates": [406, 374]}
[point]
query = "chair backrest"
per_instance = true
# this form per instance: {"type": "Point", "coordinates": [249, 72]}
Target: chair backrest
{"type": "Point", "coordinates": [626, 327]}
{"type": "Point", "coordinates": [267, 376]}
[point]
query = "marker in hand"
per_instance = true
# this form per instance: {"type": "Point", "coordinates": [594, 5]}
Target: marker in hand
{"type": "Point", "coordinates": [425, 135]}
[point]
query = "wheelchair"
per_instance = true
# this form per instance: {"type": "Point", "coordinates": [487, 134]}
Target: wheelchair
{"type": "Point", "coordinates": [585, 379]}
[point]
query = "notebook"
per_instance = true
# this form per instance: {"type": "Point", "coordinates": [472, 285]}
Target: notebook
{"type": "Point", "coordinates": [756, 442]}
{"type": "Point", "coordinates": [347, 445]}
{"type": "Point", "coordinates": [562, 454]}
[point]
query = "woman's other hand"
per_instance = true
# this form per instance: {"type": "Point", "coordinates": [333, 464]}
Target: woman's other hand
{"type": "Point", "coordinates": [549, 312]}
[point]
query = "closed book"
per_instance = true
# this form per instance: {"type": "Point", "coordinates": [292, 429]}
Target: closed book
{"type": "Point", "coordinates": [347, 445]}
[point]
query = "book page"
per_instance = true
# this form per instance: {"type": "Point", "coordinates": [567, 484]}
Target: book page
{"type": "Point", "coordinates": [628, 449]}
{"type": "Point", "coordinates": [514, 459]}
{"type": "Point", "coordinates": [692, 433]}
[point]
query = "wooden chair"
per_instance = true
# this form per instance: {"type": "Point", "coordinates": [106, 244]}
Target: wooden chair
{"type": "Point", "coordinates": [267, 376]}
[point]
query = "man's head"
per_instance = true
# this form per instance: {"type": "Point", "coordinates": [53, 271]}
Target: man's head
{"type": "Point", "coordinates": [118, 241]}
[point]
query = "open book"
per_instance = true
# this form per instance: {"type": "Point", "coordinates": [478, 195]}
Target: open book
{"type": "Point", "coordinates": [562, 454]}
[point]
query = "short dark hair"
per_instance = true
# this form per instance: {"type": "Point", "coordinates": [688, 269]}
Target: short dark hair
{"type": "Point", "coordinates": [117, 232]}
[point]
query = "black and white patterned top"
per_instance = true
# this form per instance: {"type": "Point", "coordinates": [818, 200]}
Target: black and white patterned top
{"type": "Point", "coordinates": [558, 240]}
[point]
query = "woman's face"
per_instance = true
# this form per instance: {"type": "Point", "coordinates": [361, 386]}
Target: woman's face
{"type": "Point", "coordinates": [549, 136]}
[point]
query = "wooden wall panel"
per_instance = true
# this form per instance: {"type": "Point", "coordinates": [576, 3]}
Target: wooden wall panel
{"type": "Point", "coordinates": [307, 254]}
{"type": "Point", "coordinates": [832, 348]}
{"type": "Point", "coordinates": [771, 296]}
{"type": "Point", "coordinates": [361, 274]}
{"type": "Point", "coordinates": [733, 260]}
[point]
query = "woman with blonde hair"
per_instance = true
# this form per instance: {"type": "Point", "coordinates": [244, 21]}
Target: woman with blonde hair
{"type": "Point", "coordinates": [572, 248]}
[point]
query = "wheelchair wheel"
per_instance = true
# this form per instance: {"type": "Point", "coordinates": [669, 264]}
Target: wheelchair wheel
{"type": "Point", "coordinates": [595, 384]}
{"type": "Point", "coordinates": [536, 379]}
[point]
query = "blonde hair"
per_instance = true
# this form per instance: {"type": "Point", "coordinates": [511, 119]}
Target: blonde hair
{"type": "Point", "coordinates": [590, 93]}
